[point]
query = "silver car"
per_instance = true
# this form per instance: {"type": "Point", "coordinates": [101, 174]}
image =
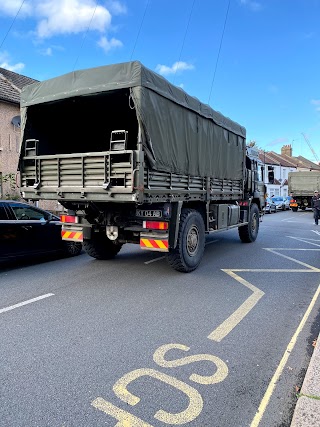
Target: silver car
{"type": "Point", "coordinates": [270, 206]}
{"type": "Point", "coordinates": [279, 202]}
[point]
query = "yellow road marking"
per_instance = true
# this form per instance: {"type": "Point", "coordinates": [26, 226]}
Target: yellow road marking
{"type": "Point", "coordinates": [220, 374]}
{"type": "Point", "coordinates": [276, 376]}
{"type": "Point", "coordinates": [307, 240]}
{"type": "Point", "coordinates": [275, 251]}
{"type": "Point", "coordinates": [229, 324]}
{"type": "Point", "coordinates": [235, 318]}
{"type": "Point", "coordinates": [125, 419]}
{"type": "Point", "coordinates": [192, 411]}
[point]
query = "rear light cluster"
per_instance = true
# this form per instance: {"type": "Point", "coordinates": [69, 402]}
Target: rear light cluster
{"type": "Point", "coordinates": [156, 225]}
{"type": "Point", "coordinates": [243, 203]}
{"type": "Point", "coordinates": [69, 218]}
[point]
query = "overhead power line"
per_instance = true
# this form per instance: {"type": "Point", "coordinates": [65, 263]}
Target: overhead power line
{"type": "Point", "coordinates": [84, 36]}
{"type": "Point", "coordinates": [135, 43]}
{"type": "Point", "coordinates": [184, 39]}
{"type": "Point", "coordinates": [221, 40]}
{"type": "Point", "coordinates": [6, 35]}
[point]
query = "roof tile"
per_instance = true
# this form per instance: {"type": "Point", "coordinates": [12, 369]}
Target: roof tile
{"type": "Point", "coordinates": [11, 84]}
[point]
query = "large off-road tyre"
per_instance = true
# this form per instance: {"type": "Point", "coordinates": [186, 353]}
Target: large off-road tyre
{"type": "Point", "coordinates": [294, 209]}
{"type": "Point", "coordinates": [248, 233]}
{"type": "Point", "coordinates": [188, 253]}
{"type": "Point", "coordinates": [100, 247]}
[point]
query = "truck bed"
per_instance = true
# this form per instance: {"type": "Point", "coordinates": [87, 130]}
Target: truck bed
{"type": "Point", "coordinates": [115, 176]}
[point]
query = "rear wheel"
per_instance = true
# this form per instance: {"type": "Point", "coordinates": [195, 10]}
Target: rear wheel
{"type": "Point", "coordinates": [187, 256]}
{"type": "Point", "coordinates": [248, 233]}
{"type": "Point", "coordinates": [100, 247]}
{"type": "Point", "coordinates": [294, 209]}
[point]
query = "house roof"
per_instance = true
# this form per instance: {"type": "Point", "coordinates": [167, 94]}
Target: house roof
{"type": "Point", "coordinates": [11, 84]}
{"type": "Point", "coordinates": [272, 158]}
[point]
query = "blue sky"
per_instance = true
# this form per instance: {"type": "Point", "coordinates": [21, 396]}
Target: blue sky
{"type": "Point", "coordinates": [255, 61]}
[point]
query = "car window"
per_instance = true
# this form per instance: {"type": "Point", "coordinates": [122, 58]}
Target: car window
{"type": "Point", "coordinates": [3, 213]}
{"type": "Point", "coordinates": [28, 212]}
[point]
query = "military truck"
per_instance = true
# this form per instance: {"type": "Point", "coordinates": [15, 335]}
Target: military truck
{"type": "Point", "coordinates": [135, 159]}
{"type": "Point", "coordinates": [302, 185]}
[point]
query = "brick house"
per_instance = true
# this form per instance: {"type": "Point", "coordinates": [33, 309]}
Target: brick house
{"type": "Point", "coordinates": [11, 85]}
{"type": "Point", "coordinates": [10, 88]}
{"type": "Point", "coordinates": [278, 166]}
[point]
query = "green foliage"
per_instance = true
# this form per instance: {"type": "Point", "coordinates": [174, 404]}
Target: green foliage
{"type": "Point", "coordinates": [10, 178]}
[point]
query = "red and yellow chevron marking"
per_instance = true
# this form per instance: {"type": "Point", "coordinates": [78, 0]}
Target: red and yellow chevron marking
{"type": "Point", "coordinates": [156, 245]}
{"type": "Point", "coordinates": [76, 236]}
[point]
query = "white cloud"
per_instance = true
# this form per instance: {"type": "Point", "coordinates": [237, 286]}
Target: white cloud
{"type": "Point", "coordinates": [176, 68]}
{"type": "Point", "coordinates": [116, 7]}
{"type": "Point", "coordinates": [11, 7]}
{"type": "Point", "coordinates": [253, 5]}
{"type": "Point", "coordinates": [281, 140]}
{"type": "Point", "coordinates": [46, 52]}
{"type": "Point", "coordinates": [107, 45]}
{"type": "Point", "coordinates": [316, 103]}
{"type": "Point", "coordinates": [56, 17]}
{"type": "Point", "coordinates": [6, 63]}
{"type": "Point", "coordinates": [70, 16]}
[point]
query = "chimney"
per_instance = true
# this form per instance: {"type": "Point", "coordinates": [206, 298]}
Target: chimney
{"type": "Point", "coordinates": [286, 150]}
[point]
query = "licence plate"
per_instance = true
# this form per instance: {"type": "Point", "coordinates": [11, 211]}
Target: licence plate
{"type": "Point", "coordinates": [149, 213]}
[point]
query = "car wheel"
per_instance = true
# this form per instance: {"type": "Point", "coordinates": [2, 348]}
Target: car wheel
{"type": "Point", "coordinates": [72, 248]}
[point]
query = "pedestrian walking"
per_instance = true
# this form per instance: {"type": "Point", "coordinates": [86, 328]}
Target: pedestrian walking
{"type": "Point", "coordinates": [315, 204]}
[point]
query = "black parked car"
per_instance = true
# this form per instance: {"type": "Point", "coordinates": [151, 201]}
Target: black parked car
{"type": "Point", "coordinates": [27, 231]}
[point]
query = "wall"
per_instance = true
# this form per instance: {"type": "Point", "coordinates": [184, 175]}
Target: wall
{"type": "Point", "coordinates": [9, 155]}
{"type": "Point", "coordinates": [9, 145]}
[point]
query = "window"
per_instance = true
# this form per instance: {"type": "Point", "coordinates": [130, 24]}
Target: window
{"type": "Point", "coordinates": [3, 213]}
{"type": "Point", "coordinates": [270, 174]}
{"type": "Point", "coordinates": [23, 212]}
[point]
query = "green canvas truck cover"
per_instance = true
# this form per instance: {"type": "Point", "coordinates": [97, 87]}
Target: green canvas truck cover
{"type": "Point", "coordinates": [179, 133]}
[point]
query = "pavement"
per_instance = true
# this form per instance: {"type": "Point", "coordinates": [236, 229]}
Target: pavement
{"type": "Point", "coordinates": [307, 410]}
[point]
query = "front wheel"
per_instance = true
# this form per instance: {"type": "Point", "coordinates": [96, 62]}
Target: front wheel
{"type": "Point", "coordinates": [249, 232]}
{"type": "Point", "coordinates": [187, 256]}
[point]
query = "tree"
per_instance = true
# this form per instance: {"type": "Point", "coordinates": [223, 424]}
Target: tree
{"type": "Point", "coordinates": [10, 179]}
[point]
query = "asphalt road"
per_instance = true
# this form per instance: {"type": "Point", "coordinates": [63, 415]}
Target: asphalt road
{"type": "Point", "coordinates": [132, 343]}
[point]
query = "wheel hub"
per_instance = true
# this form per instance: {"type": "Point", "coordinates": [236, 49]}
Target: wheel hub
{"type": "Point", "coordinates": [192, 240]}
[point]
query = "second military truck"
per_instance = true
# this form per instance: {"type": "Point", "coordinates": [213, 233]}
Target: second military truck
{"type": "Point", "coordinates": [134, 159]}
{"type": "Point", "coordinates": [302, 185]}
